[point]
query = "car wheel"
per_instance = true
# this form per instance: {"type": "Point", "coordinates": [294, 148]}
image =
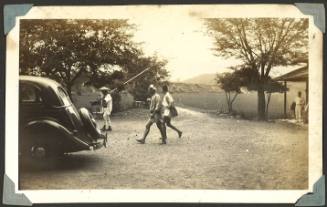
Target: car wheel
{"type": "Point", "coordinates": [39, 154]}
{"type": "Point", "coordinates": [36, 149]}
{"type": "Point", "coordinates": [39, 147]}
{"type": "Point", "coordinates": [89, 122]}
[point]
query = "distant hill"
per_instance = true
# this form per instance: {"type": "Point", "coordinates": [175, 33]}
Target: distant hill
{"type": "Point", "coordinates": [207, 79]}
{"type": "Point", "coordinates": [193, 88]}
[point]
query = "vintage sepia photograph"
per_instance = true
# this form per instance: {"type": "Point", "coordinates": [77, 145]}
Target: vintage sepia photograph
{"type": "Point", "coordinates": [235, 107]}
{"type": "Point", "coordinates": [165, 100]}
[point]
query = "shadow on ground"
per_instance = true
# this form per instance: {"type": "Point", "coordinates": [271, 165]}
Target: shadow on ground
{"type": "Point", "coordinates": [65, 162]}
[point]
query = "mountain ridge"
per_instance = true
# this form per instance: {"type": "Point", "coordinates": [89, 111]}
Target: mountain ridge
{"type": "Point", "coordinates": [205, 79]}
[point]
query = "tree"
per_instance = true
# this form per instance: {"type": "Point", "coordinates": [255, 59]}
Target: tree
{"type": "Point", "coordinates": [156, 75]}
{"type": "Point", "coordinates": [231, 84]}
{"type": "Point", "coordinates": [64, 49]}
{"type": "Point", "coordinates": [262, 44]}
{"type": "Point", "coordinates": [248, 78]}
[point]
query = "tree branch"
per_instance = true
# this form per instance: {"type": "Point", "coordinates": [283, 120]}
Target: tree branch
{"type": "Point", "coordinates": [279, 42]}
{"type": "Point", "coordinates": [235, 95]}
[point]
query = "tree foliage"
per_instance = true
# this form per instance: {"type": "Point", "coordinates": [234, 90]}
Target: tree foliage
{"type": "Point", "coordinates": [156, 75]}
{"type": "Point", "coordinates": [262, 44]}
{"type": "Point", "coordinates": [64, 49]}
{"type": "Point", "coordinates": [231, 83]}
{"type": "Point", "coordinates": [246, 77]}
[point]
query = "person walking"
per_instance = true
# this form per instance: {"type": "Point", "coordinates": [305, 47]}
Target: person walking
{"type": "Point", "coordinates": [167, 104]}
{"type": "Point", "coordinates": [106, 108]}
{"type": "Point", "coordinates": [155, 116]}
{"type": "Point", "coordinates": [299, 101]}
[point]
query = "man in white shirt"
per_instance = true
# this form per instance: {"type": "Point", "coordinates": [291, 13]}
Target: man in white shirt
{"type": "Point", "coordinates": [106, 108]}
{"type": "Point", "coordinates": [167, 103]}
{"type": "Point", "coordinates": [155, 116]}
{"type": "Point", "coordinates": [299, 101]}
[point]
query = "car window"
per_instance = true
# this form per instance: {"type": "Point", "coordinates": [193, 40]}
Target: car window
{"type": "Point", "coordinates": [64, 96]}
{"type": "Point", "coordinates": [29, 94]}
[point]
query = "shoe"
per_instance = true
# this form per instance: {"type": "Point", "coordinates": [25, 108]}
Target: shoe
{"type": "Point", "coordinates": [109, 129]}
{"type": "Point", "coordinates": [180, 134]}
{"type": "Point", "coordinates": [163, 142]}
{"type": "Point", "coordinates": [103, 128]}
{"type": "Point", "coordinates": [141, 141]}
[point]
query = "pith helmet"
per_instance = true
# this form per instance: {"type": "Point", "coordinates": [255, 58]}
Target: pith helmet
{"type": "Point", "coordinates": [103, 88]}
{"type": "Point", "coordinates": [152, 87]}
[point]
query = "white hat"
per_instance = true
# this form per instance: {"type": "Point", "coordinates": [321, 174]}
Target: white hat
{"type": "Point", "coordinates": [103, 88]}
{"type": "Point", "coordinates": [152, 87]}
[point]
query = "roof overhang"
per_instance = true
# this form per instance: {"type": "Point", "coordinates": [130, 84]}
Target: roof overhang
{"type": "Point", "coordinates": [298, 75]}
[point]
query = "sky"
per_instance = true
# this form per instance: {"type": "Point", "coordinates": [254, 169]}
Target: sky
{"type": "Point", "coordinates": [182, 40]}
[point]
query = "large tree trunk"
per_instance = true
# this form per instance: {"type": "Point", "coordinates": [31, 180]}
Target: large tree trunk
{"type": "Point", "coordinates": [261, 104]}
{"type": "Point", "coordinates": [230, 108]}
{"type": "Point", "coordinates": [267, 106]}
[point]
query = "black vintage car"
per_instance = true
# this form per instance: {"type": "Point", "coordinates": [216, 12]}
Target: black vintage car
{"type": "Point", "coordinates": [50, 124]}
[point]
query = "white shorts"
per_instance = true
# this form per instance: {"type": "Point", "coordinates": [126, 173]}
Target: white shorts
{"type": "Point", "coordinates": [106, 111]}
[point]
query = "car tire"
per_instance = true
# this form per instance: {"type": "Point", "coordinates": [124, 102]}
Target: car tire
{"type": "Point", "coordinates": [42, 136]}
{"type": "Point", "coordinates": [89, 122]}
{"type": "Point", "coordinates": [45, 155]}
{"type": "Point", "coordinates": [41, 147]}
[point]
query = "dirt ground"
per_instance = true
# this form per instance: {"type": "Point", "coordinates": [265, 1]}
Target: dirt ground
{"type": "Point", "coordinates": [214, 153]}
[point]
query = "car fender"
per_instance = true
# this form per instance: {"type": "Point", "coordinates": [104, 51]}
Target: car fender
{"type": "Point", "coordinates": [46, 124]}
{"type": "Point", "coordinates": [51, 126]}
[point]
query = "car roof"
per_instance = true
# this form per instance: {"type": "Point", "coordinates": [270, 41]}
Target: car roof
{"type": "Point", "coordinates": [42, 81]}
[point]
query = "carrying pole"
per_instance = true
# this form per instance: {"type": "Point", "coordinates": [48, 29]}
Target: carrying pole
{"type": "Point", "coordinates": [137, 75]}
{"type": "Point", "coordinates": [132, 78]}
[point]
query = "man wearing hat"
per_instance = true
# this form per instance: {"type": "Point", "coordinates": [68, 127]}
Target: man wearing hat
{"type": "Point", "coordinates": [106, 108]}
{"type": "Point", "coordinates": [155, 116]}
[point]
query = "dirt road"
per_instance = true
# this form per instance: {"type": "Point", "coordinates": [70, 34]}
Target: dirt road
{"type": "Point", "coordinates": [214, 153]}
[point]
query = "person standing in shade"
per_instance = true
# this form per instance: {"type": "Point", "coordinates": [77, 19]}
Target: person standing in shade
{"type": "Point", "coordinates": [167, 104]}
{"type": "Point", "coordinates": [292, 108]}
{"type": "Point", "coordinates": [155, 116]}
{"type": "Point", "coordinates": [106, 108]}
{"type": "Point", "coordinates": [299, 101]}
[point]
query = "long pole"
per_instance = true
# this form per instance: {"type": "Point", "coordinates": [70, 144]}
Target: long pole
{"type": "Point", "coordinates": [137, 75]}
{"type": "Point", "coordinates": [133, 78]}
